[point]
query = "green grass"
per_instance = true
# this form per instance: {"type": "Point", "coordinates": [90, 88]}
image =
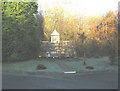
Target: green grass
{"type": "Point", "coordinates": [31, 66]}
{"type": "Point", "coordinates": [100, 64]}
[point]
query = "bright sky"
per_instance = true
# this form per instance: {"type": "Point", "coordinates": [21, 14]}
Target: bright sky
{"type": "Point", "coordinates": [84, 7]}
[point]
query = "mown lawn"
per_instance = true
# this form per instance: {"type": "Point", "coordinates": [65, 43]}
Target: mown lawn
{"type": "Point", "coordinates": [54, 65]}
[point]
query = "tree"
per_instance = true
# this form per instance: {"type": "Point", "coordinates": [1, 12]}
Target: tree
{"type": "Point", "coordinates": [53, 19]}
{"type": "Point", "coordinates": [108, 34]}
{"type": "Point", "coordinates": [19, 30]}
{"type": "Point", "coordinates": [40, 24]}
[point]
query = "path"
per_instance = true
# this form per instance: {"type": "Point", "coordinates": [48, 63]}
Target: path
{"type": "Point", "coordinates": [63, 65]}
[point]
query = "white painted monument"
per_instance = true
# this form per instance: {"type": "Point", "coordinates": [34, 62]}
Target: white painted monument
{"type": "Point", "coordinates": [55, 37]}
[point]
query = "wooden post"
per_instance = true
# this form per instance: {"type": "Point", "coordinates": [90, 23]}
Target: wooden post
{"type": "Point", "coordinates": [84, 59]}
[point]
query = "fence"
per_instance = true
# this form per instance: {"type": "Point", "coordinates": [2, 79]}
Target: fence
{"type": "Point", "coordinates": [62, 49]}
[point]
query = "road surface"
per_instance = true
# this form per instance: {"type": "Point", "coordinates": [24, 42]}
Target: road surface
{"type": "Point", "coordinates": [94, 80]}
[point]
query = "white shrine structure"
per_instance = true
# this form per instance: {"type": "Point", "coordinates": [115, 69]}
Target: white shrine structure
{"type": "Point", "coordinates": [57, 48]}
{"type": "Point", "coordinates": [55, 37]}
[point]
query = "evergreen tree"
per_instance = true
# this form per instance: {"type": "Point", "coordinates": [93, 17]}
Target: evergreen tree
{"type": "Point", "coordinates": [19, 30]}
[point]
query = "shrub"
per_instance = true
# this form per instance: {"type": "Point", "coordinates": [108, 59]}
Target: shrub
{"type": "Point", "coordinates": [41, 67]}
{"type": "Point", "coordinates": [90, 67]}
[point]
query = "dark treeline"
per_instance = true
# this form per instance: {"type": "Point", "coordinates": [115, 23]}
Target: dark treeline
{"type": "Point", "coordinates": [20, 31]}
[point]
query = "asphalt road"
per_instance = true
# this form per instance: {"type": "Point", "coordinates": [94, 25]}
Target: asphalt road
{"type": "Point", "coordinates": [94, 80]}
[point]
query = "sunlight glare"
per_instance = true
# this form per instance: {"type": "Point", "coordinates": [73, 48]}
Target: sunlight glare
{"type": "Point", "coordinates": [85, 7]}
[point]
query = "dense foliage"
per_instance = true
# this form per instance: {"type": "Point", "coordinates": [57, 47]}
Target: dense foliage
{"type": "Point", "coordinates": [23, 31]}
{"type": "Point", "coordinates": [100, 32]}
{"type": "Point", "coordinates": [21, 38]}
